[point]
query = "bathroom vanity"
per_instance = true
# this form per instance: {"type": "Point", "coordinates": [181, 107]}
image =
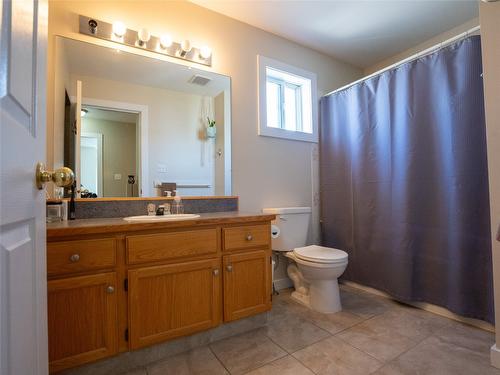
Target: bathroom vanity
{"type": "Point", "coordinates": [115, 286]}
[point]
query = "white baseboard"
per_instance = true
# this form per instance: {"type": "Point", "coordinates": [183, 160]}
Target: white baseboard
{"type": "Point", "coordinates": [438, 310]}
{"type": "Point", "coordinates": [495, 356]}
{"type": "Point", "coordinates": [284, 283]}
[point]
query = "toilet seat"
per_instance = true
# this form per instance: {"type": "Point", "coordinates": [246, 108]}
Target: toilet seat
{"type": "Point", "coordinates": [320, 254]}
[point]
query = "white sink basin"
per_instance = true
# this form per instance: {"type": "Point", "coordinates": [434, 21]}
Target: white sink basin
{"type": "Point", "coordinates": [150, 219]}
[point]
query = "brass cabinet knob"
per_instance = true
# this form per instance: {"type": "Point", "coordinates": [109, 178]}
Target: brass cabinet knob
{"type": "Point", "coordinates": [110, 289]}
{"type": "Point", "coordinates": [61, 177]}
{"type": "Point", "coordinates": [74, 258]}
{"type": "Point", "coordinates": [229, 268]}
{"type": "Point", "coordinates": [215, 272]}
{"type": "Point", "coordinates": [249, 237]}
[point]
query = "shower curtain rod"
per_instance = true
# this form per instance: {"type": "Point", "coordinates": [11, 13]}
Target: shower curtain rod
{"type": "Point", "coordinates": [417, 55]}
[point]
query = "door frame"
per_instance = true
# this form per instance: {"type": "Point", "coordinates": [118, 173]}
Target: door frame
{"type": "Point", "coordinates": [142, 126]}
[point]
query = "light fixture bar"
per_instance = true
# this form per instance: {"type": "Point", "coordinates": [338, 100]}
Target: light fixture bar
{"type": "Point", "coordinates": [104, 30]}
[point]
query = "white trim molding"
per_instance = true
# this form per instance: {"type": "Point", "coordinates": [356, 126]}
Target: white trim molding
{"type": "Point", "coordinates": [495, 356]}
{"type": "Point", "coordinates": [264, 130]}
{"type": "Point", "coordinates": [143, 148]}
{"type": "Point", "coordinates": [438, 310]}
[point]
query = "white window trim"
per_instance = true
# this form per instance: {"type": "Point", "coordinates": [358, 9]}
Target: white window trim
{"type": "Point", "coordinates": [263, 129]}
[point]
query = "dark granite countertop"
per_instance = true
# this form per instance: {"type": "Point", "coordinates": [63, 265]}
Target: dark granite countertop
{"type": "Point", "coordinates": [113, 225]}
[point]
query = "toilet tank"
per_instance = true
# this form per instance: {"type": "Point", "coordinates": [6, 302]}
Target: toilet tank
{"type": "Point", "coordinates": [293, 224]}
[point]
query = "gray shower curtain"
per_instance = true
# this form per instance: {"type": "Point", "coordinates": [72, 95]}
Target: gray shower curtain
{"type": "Point", "coordinates": [404, 181]}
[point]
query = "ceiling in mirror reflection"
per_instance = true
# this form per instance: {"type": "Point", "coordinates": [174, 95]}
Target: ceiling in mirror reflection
{"type": "Point", "coordinates": [117, 65]}
{"type": "Point", "coordinates": [102, 114]}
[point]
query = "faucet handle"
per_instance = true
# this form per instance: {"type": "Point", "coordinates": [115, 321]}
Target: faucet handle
{"type": "Point", "coordinates": [151, 209]}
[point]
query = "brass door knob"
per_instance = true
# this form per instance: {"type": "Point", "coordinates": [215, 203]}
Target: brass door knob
{"type": "Point", "coordinates": [61, 177]}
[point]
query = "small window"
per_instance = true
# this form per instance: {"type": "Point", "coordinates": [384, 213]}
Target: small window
{"type": "Point", "coordinates": [287, 101]}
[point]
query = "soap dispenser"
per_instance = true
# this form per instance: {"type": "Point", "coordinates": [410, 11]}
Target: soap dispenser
{"type": "Point", "coordinates": [177, 207]}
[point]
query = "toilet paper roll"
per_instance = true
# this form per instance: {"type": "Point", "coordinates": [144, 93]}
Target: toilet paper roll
{"type": "Point", "coordinates": [275, 231]}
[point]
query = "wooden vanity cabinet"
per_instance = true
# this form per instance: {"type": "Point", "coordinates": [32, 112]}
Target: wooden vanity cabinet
{"type": "Point", "coordinates": [82, 319]}
{"type": "Point", "coordinates": [173, 300]}
{"type": "Point", "coordinates": [152, 285]}
{"type": "Point", "coordinates": [247, 284]}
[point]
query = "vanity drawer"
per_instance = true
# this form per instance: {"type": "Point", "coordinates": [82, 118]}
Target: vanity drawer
{"type": "Point", "coordinates": [79, 256]}
{"type": "Point", "coordinates": [165, 246]}
{"type": "Point", "coordinates": [248, 236]}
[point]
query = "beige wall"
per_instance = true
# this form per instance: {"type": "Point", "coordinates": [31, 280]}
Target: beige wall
{"type": "Point", "coordinates": [423, 46]}
{"type": "Point", "coordinates": [266, 171]}
{"type": "Point", "coordinates": [489, 14]}
{"type": "Point", "coordinates": [62, 84]}
{"type": "Point", "coordinates": [119, 151]}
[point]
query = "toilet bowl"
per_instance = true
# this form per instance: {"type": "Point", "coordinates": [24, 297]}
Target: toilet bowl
{"type": "Point", "coordinates": [314, 271]}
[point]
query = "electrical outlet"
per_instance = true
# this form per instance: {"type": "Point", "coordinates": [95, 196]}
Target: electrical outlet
{"type": "Point", "coordinates": [161, 168]}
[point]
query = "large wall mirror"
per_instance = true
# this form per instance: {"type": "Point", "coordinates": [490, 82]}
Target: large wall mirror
{"type": "Point", "coordinates": [132, 126]}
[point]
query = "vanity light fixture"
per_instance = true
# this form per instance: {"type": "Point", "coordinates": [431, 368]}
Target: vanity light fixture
{"type": "Point", "coordinates": [205, 52]}
{"type": "Point", "coordinates": [117, 32]}
{"type": "Point", "coordinates": [84, 111]}
{"type": "Point", "coordinates": [119, 29]}
{"type": "Point", "coordinates": [93, 27]}
{"type": "Point", "coordinates": [166, 41]}
{"type": "Point", "coordinates": [186, 47]}
{"type": "Point", "coordinates": [143, 36]}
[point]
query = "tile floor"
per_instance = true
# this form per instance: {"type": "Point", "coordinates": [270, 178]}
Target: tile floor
{"type": "Point", "coordinates": [372, 335]}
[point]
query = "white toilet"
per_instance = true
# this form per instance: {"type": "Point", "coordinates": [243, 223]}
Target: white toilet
{"type": "Point", "coordinates": [313, 269]}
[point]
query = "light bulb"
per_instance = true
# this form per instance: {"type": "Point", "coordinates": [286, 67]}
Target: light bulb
{"type": "Point", "coordinates": [144, 35]}
{"type": "Point", "coordinates": [205, 52]}
{"type": "Point", "coordinates": [165, 41]}
{"type": "Point", "coordinates": [186, 45]}
{"type": "Point", "coordinates": [119, 29]}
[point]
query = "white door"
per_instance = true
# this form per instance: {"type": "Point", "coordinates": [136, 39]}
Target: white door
{"type": "Point", "coordinates": [78, 122]}
{"type": "Point", "coordinates": [23, 285]}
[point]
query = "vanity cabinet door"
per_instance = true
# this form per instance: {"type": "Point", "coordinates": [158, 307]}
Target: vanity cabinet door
{"type": "Point", "coordinates": [82, 320]}
{"type": "Point", "coordinates": [173, 300]}
{"type": "Point", "coordinates": [247, 284]}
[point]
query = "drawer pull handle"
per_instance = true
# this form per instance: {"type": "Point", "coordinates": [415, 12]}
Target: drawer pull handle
{"type": "Point", "coordinates": [215, 272]}
{"type": "Point", "coordinates": [110, 289]}
{"type": "Point", "coordinates": [229, 268]}
{"type": "Point", "coordinates": [74, 258]}
{"type": "Point", "coordinates": [249, 237]}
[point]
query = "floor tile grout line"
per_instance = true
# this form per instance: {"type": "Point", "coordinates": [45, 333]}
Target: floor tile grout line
{"type": "Point", "coordinates": [302, 363]}
{"type": "Point", "coordinates": [363, 319]}
{"type": "Point", "coordinates": [266, 364]}
{"type": "Point", "coordinates": [218, 359]}
{"type": "Point", "coordinates": [382, 364]}
{"type": "Point", "coordinates": [290, 353]}
{"type": "Point", "coordinates": [406, 351]}
{"type": "Point", "coordinates": [416, 343]}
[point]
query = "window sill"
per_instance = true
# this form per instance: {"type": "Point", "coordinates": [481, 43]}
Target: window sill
{"type": "Point", "coordinates": [288, 134]}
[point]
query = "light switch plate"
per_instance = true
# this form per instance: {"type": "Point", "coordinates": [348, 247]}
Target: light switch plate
{"type": "Point", "coordinates": [161, 168]}
{"type": "Point", "coordinates": [117, 176]}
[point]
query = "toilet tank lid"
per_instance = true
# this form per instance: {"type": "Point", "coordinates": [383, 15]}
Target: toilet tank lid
{"type": "Point", "coordinates": [286, 210]}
